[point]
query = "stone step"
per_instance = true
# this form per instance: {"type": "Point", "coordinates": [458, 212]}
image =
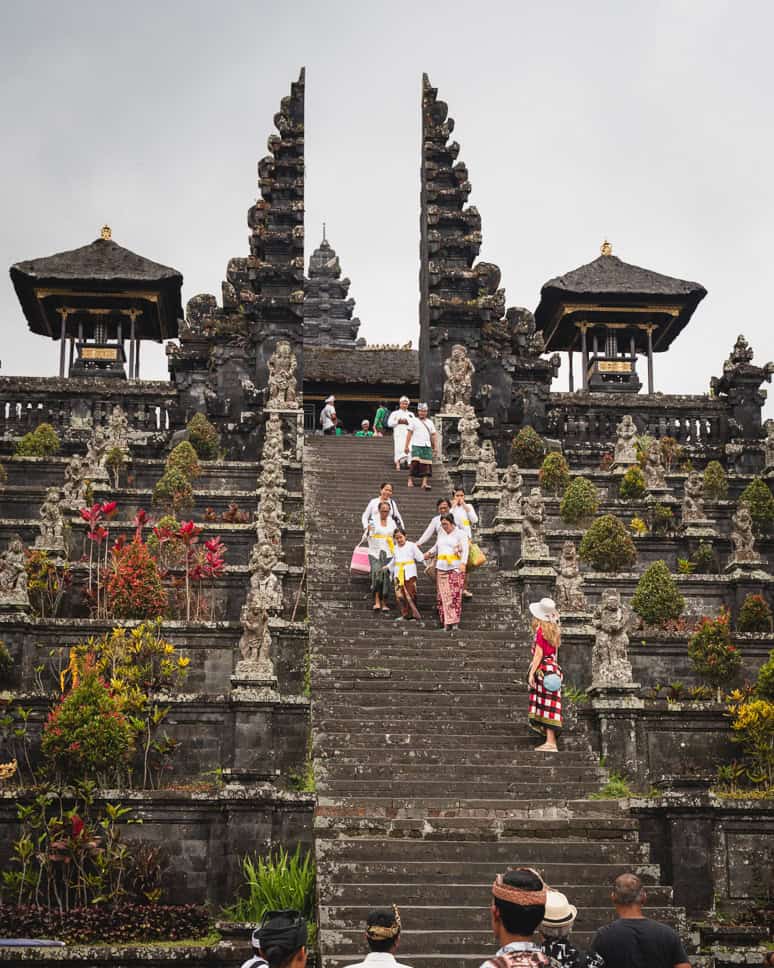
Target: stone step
{"type": "Point", "coordinates": [448, 757]}
{"type": "Point", "coordinates": [455, 788]}
{"type": "Point", "coordinates": [495, 808]}
{"type": "Point", "coordinates": [481, 829]}
{"type": "Point", "coordinates": [539, 771]}
{"type": "Point", "coordinates": [370, 850]}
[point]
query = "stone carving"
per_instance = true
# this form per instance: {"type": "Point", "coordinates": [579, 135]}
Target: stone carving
{"type": "Point", "coordinates": [13, 577]}
{"type": "Point", "coordinates": [570, 596]}
{"type": "Point", "coordinates": [264, 598]}
{"type": "Point", "coordinates": [282, 378]}
{"type": "Point", "coordinates": [272, 476]}
{"type": "Point", "coordinates": [467, 427]}
{"type": "Point", "coordinates": [654, 468]}
{"type": "Point", "coordinates": [118, 429]}
{"type": "Point", "coordinates": [96, 455]}
{"type": "Point", "coordinates": [742, 536]}
{"type": "Point", "coordinates": [458, 386]}
{"type": "Point", "coordinates": [51, 524]}
{"type": "Point", "coordinates": [533, 543]}
{"type": "Point", "coordinates": [610, 665]}
{"type": "Point", "coordinates": [511, 496]}
{"type": "Point", "coordinates": [526, 340]}
{"type": "Point", "coordinates": [625, 444]}
{"type": "Point", "coordinates": [486, 469]}
{"type": "Point", "coordinates": [768, 444]}
{"type": "Point", "coordinates": [269, 522]}
{"type": "Point", "coordinates": [741, 353]}
{"type": "Point", "coordinates": [693, 499]}
{"type": "Point", "coordinates": [75, 489]}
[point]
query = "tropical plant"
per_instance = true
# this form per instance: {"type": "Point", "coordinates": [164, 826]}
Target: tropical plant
{"type": "Point", "coordinates": [752, 725]}
{"type": "Point", "coordinates": [97, 517]}
{"type": "Point", "coordinates": [47, 581]}
{"type": "Point", "coordinates": [632, 486]}
{"type": "Point", "coordinates": [663, 519]}
{"type": "Point", "coordinates": [671, 452]}
{"type": "Point", "coordinates": [616, 788]}
{"type": "Point", "coordinates": [163, 544]}
{"type": "Point", "coordinates": [758, 498]}
{"type": "Point", "coordinates": [754, 615]}
{"type": "Point", "coordinates": [185, 459]}
{"type": "Point", "coordinates": [3, 475]}
{"type": "Point", "coordinates": [580, 502]}
{"type": "Point", "coordinates": [764, 684]}
{"type": "Point", "coordinates": [134, 588]}
{"type": "Point", "coordinates": [527, 448]}
{"type": "Point", "coordinates": [607, 545]}
{"type": "Point", "coordinates": [115, 460]}
{"type": "Point", "coordinates": [173, 492]}
{"type": "Point", "coordinates": [657, 597]}
{"type": "Point", "coordinates": [715, 482]}
{"type": "Point", "coordinates": [714, 656]}
{"type": "Point", "coordinates": [6, 665]}
{"type": "Point", "coordinates": [703, 559]}
{"type": "Point", "coordinates": [43, 441]}
{"type": "Point", "coordinates": [203, 436]}
{"type": "Point", "coordinates": [638, 526]}
{"type": "Point", "coordinates": [554, 473]}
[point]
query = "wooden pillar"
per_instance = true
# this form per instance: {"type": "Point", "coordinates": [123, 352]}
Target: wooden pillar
{"type": "Point", "coordinates": [572, 377]}
{"type": "Point", "coordinates": [584, 359]}
{"type": "Point", "coordinates": [72, 352]}
{"type": "Point", "coordinates": [137, 360]}
{"type": "Point", "coordinates": [650, 359]}
{"type": "Point", "coordinates": [131, 350]}
{"type": "Point", "coordinates": [62, 342]}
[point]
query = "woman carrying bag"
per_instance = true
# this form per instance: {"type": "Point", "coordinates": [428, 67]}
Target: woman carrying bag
{"type": "Point", "coordinates": [545, 675]}
{"type": "Point", "coordinates": [381, 548]}
{"type": "Point", "coordinates": [451, 557]}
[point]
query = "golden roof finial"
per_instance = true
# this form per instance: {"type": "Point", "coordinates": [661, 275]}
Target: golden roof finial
{"type": "Point", "coordinates": [606, 248]}
{"type": "Point", "coordinates": [106, 233]}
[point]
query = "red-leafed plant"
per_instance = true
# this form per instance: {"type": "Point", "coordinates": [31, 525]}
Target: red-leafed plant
{"type": "Point", "coordinates": [97, 517]}
{"type": "Point", "coordinates": [135, 589]}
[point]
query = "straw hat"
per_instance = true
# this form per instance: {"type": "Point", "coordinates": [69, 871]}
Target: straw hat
{"type": "Point", "coordinates": [545, 610]}
{"type": "Point", "coordinates": [559, 911]}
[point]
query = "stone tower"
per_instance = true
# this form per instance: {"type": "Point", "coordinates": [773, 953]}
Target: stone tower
{"type": "Point", "coordinates": [328, 319]}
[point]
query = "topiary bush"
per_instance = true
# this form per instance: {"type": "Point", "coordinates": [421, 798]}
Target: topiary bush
{"type": "Point", "coordinates": [527, 448]}
{"type": "Point", "coordinates": [714, 656]}
{"type": "Point", "coordinates": [632, 486]}
{"type": "Point", "coordinates": [184, 459]}
{"type": "Point", "coordinates": [671, 452]}
{"type": "Point", "coordinates": [663, 519]}
{"type": "Point", "coordinates": [580, 502]}
{"type": "Point", "coordinates": [764, 684]}
{"type": "Point", "coordinates": [657, 597]}
{"type": "Point", "coordinates": [754, 615]}
{"type": "Point", "coordinates": [43, 441]}
{"type": "Point", "coordinates": [758, 498]}
{"type": "Point", "coordinates": [134, 588]}
{"type": "Point", "coordinates": [715, 482]}
{"type": "Point", "coordinates": [204, 438]}
{"type": "Point", "coordinates": [554, 473]}
{"type": "Point", "coordinates": [607, 545]}
{"type": "Point", "coordinates": [704, 559]}
{"type": "Point", "coordinates": [173, 492]}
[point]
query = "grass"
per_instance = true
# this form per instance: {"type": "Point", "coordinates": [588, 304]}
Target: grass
{"type": "Point", "coordinates": [616, 788]}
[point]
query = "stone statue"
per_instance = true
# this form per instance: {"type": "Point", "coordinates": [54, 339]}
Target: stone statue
{"type": "Point", "coordinates": [118, 430]}
{"type": "Point", "coordinates": [533, 543]}
{"type": "Point", "coordinates": [741, 353]}
{"type": "Point", "coordinates": [610, 665]}
{"type": "Point", "coordinates": [458, 386]}
{"type": "Point", "coordinates": [693, 498]}
{"type": "Point", "coordinates": [486, 469]}
{"type": "Point", "coordinates": [569, 583]}
{"type": "Point", "coordinates": [274, 441]}
{"type": "Point", "coordinates": [654, 468]}
{"type": "Point", "coordinates": [272, 476]}
{"type": "Point", "coordinates": [75, 489]}
{"type": "Point", "coordinates": [768, 444]}
{"type": "Point", "coordinates": [264, 598]}
{"type": "Point", "coordinates": [96, 454]}
{"type": "Point", "coordinates": [511, 497]}
{"type": "Point", "coordinates": [269, 519]}
{"type": "Point", "coordinates": [282, 378]}
{"type": "Point", "coordinates": [742, 536]}
{"type": "Point", "coordinates": [13, 577]}
{"type": "Point", "coordinates": [467, 427]}
{"type": "Point", "coordinates": [626, 444]}
{"type": "Point", "coordinates": [526, 340]}
{"type": "Point", "coordinates": [51, 524]}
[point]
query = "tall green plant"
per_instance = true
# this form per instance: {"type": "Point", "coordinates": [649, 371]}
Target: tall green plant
{"type": "Point", "coordinates": [657, 597]}
{"type": "Point", "coordinates": [580, 502]}
{"type": "Point", "coordinates": [715, 482]}
{"type": "Point", "coordinates": [43, 441]}
{"type": "Point", "coordinates": [758, 498]}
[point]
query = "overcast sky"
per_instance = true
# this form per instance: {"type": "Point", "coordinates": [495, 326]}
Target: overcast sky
{"type": "Point", "coordinates": [648, 124]}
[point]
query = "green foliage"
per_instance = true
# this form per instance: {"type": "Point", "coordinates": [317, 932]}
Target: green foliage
{"type": "Point", "coordinates": [527, 448]}
{"type": "Point", "coordinates": [554, 473]}
{"type": "Point", "coordinates": [3, 475]}
{"type": "Point", "coordinates": [616, 788]}
{"type": "Point", "coordinates": [671, 452]}
{"type": "Point", "coordinates": [754, 615]}
{"type": "Point", "coordinates": [184, 459]}
{"type": "Point", "coordinates": [758, 497]}
{"type": "Point", "coordinates": [657, 598]}
{"type": "Point", "coordinates": [715, 482]}
{"type": "Point", "coordinates": [764, 685]}
{"type": "Point", "coordinates": [134, 588]}
{"type": "Point", "coordinates": [87, 736]}
{"type": "Point", "coordinates": [580, 501]}
{"type": "Point", "coordinates": [632, 486]}
{"type": "Point", "coordinates": [715, 658]}
{"type": "Point", "coordinates": [574, 695]}
{"type": "Point", "coordinates": [752, 725]}
{"type": "Point", "coordinates": [116, 459]}
{"type": "Point", "coordinates": [663, 519]}
{"type": "Point", "coordinates": [173, 492]}
{"type": "Point", "coordinates": [164, 546]}
{"type": "Point", "coordinates": [47, 582]}
{"type": "Point", "coordinates": [43, 441]}
{"type": "Point", "coordinates": [204, 438]}
{"type": "Point", "coordinates": [685, 566]}
{"type": "Point", "coordinates": [704, 559]}
{"type": "Point", "coordinates": [607, 545]}
{"type": "Point", "coordinates": [277, 882]}
{"type": "Point", "coordinates": [6, 664]}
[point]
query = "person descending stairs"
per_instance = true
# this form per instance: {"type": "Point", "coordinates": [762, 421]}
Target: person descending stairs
{"type": "Point", "coordinates": [427, 779]}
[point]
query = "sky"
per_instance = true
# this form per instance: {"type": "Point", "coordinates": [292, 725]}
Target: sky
{"type": "Point", "coordinates": [645, 124]}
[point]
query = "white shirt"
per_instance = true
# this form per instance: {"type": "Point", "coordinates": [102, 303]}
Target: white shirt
{"type": "Point", "coordinates": [421, 431]}
{"type": "Point", "coordinates": [431, 531]}
{"type": "Point", "coordinates": [378, 959]}
{"type": "Point", "coordinates": [326, 415]}
{"type": "Point", "coordinates": [409, 556]}
{"type": "Point", "coordinates": [372, 511]}
{"type": "Point", "coordinates": [464, 516]}
{"type": "Point", "coordinates": [398, 415]}
{"type": "Point", "coordinates": [380, 537]}
{"type": "Point", "coordinates": [452, 546]}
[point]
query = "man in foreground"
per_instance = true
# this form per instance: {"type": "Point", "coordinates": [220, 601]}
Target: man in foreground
{"type": "Point", "coordinates": [382, 937]}
{"type": "Point", "coordinates": [518, 906]}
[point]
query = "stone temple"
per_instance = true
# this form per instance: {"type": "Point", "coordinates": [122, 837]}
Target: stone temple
{"type": "Point", "coordinates": [271, 706]}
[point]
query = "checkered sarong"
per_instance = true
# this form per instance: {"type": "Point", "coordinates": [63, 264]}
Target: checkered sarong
{"type": "Point", "coordinates": [545, 708]}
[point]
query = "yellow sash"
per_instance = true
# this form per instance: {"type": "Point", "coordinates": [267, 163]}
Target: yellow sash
{"type": "Point", "coordinates": [450, 558]}
{"type": "Point", "coordinates": [401, 567]}
{"type": "Point", "coordinates": [387, 538]}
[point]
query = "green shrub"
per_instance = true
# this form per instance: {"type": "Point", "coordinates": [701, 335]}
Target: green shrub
{"type": "Point", "coordinates": [580, 501]}
{"type": "Point", "coordinates": [87, 736]}
{"type": "Point", "coordinates": [116, 459]}
{"type": "Point", "coordinates": [704, 559]}
{"type": "Point", "coordinates": [632, 486]}
{"type": "Point", "coordinates": [715, 482]}
{"type": "Point", "coordinates": [134, 588]}
{"type": "Point", "coordinates": [671, 452]}
{"type": "Point", "coordinates": [607, 545]}
{"type": "Point", "coordinates": [754, 615]}
{"type": "Point", "coordinates": [528, 448]}
{"type": "Point", "coordinates": [3, 475]}
{"type": "Point", "coordinates": [764, 685]}
{"type": "Point", "coordinates": [554, 473]}
{"type": "Point", "coordinates": [6, 664]}
{"type": "Point", "coordinates": [715, 658]}
{"type": "Point", "coordinates": [657, 597]}
{"type": "Point", "coordinates": [204, 438]}
{"type": "Point", "coordinates": [758, 498]}
{"type": "Point", "coordinates": [43, 441]}
{"type": "Point", "coordinates": [164, 546]}
{"type": "Point", "coordinates": [616, 788]}
{"type": "Point", "coordinates": [184, 459]}
{"type": "Point", "coordinates": [173, 492]}
{"type": "Point", "coordinates": [663, 519]}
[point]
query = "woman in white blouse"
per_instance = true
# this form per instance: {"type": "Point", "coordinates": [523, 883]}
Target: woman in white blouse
{"type": "Point", "coordinates": [381, 549]}
{"type": "Point", "coordinates": [451, 554]}
{"type": "Point", "coordinates": [403, 568]}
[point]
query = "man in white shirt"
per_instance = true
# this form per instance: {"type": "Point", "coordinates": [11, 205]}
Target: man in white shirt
{"type": "Point", "coordinates": [382, 936]}
{"type": "Point", "coordinates": [399, 420]}
{"type": "Point", "coordinates": [328, 417]}
{"type": "Point", "coordinates": [421, 444]}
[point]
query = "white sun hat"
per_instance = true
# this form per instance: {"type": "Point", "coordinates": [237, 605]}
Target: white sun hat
{"type": "Point", "coordinates": [559, 911]}
{"type": "Point", "coordinates": [545, 610]}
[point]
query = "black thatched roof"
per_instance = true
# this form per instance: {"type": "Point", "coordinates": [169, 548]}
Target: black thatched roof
{"type": "Point", "coordinates": [373, 366]}
{"type": "Point", "coordinates": [609, 281]}
{"type": "Point", "coordinates": [105, 270]}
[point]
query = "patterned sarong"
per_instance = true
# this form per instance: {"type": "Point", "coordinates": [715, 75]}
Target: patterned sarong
{"type": "Point", "coordinates": [421, 461]}
{"type": "Point", "coordinates": [380, 575]}
{"type": "Point", "coordinates": [450, 585]}
{"type": "Point", "coordinates": [545, 708]}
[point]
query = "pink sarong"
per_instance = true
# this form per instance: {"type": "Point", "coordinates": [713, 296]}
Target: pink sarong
{"type": "Point", "coordinates": [450, 585]}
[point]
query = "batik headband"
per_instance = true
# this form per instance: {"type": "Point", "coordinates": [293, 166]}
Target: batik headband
{"type": "Point", "coordinates": [381, 932]}
{"type": "Point", "coordinates": [517, 895]}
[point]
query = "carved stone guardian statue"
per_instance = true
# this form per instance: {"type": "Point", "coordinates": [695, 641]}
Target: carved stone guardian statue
{"type": "Point", "coordinates": [509, 508]}
{"type": "Point", "coordinates": [486, 469]}
{"type": "Point", "coordinates": [467, 427]}
{"type": "Point", "coordinates": [768, 446]}
{"type": "Point", "coordinates": [75, 489]}
{"type": "Point", "coordinates": [610, 665]}
{"type": "Point", "coordinates": [269, 519]}
{"type": "Point", "coordinates": [654, 468]}
{"type": "Point", "coordinates": [51, 537]}
{"type": "Point", "coordinates": [264, 598]}
{"type": "Point", "coordinates": [570, 596]}
{"type": "Point", "coordinates": [743, 539]}
{"type": "Point", "coordinates": [533, 543]}
{"type": "Point", "coordinates": [458, 386]}
{"type": "Point", "coordinates": [282, 378]}
{"type": "Point", "coordinates": [96, 456]}
{"type": "Point", "coordinates": [13, 578]}
{"type": "Point", "coordinates": [626, 444]}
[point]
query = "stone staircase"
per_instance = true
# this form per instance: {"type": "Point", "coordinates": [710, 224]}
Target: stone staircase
{"type": "Point", "coordinates": [426, 776]}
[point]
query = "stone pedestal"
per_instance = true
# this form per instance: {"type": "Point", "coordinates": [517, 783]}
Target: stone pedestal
{"type": "Point", "coordinates": [506, 536]}
{"type": "Point", "coordinates": [486, 500]}
{"type": "Point", "coordinates": [464, 476]}
{"type": "Point", "coordinates": [535, 578]}
{"type": "Point", "coordinates": [615, 707]}
{"type": "Point", "coordinates": [621, 467]}
{"type": "Point", "coordinates": [700, 528]}
{"type": "Point", "coordinates": [252, 676]}
{"type": "Point", "coordinates": [745, 567]}
{"type": "Point", "coordinates": [448, 438]}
